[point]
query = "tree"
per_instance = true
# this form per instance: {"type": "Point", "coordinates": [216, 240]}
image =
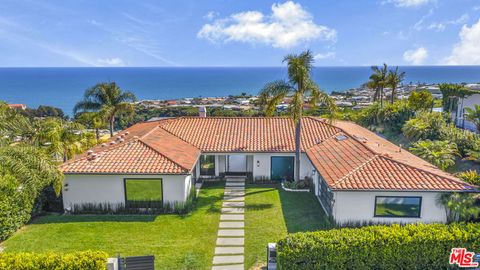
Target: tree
{"type": "Point", "coordinates": [470, 176]}
{"type": "Point", "coordinates": [420, 100]}
{"type": "Point", "coordinates": [300, 87]}
{"type": "Point", "coordinates": [459, 206]}
{"type": "Point", "coordinates": [109, 100]}
{"type": "Point", "coordinates": [473, 115]}
{"type": "Point", "coordinates": [93, 120]}
{"type": "Point", "coordinates": [378, 81]}
{"type": "Point", "coordinates": [62, 139]}
{"type": "Point", "coordinates": [394, 78]}
{"type": "Point", "coordinates": [439, 153]}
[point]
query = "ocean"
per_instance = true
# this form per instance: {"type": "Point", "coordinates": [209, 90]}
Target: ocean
{"type": "Point", "coordinates": [63, 87]}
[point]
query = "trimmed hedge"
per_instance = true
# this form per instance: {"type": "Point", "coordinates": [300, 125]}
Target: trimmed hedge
{"type": "Point", "coordinates": [91, 260]}
{"type": "Point", "coordinates": [414, 246]}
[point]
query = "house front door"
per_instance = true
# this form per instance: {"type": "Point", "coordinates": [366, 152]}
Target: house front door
{"type": "Point", "coordinates": [282, 168]}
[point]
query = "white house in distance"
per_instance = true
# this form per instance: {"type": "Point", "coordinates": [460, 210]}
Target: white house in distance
{"type": "Point", "coordinates": [357, 175]}
{"type": "Point", "coordinates": [459, 116]}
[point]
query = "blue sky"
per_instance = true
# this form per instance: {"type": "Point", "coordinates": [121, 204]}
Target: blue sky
{"type": "Point", "coordinates": [238, 33]}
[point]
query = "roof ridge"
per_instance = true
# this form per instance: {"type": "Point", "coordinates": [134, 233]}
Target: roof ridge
{"type": "Point", "coordinates": [156, 151]}
{"type": "Point", "coordinates": [355, 170]}
{"type": "Point", "coordinates": [180, 138]}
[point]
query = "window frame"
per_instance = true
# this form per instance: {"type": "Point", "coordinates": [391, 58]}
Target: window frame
{"type": "Point", "coordinates": [408, 197]}
{"type": "Point", "coordinates": [214, 165]}
{"type": "Point", "coordinates": [151, 179]}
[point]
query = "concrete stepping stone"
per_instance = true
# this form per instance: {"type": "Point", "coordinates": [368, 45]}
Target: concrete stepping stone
{"type": "Point", "coordinates": [235, 184]}
{"type": "Point", "coordinates": [229, 267]}
{"type": "Point", "coordinates": [232, 199]}
{"type": "Point", "coordinates": [233, 204]}
{"type": "Point", "coordinates": [232, 217]}
{"type": "Point", "coordinates": [232, 224]}
{"type": "Point", "coordinates": [231, 232]}
{"type": "Point", "coordinates": [234, 188]}
{"type": "Point", "coordinates": [235, 210]}
{"type": "Point", "coordinates": [234, 193]}
{"type": "Point", "coordinates": [229, 259]}
{"type": "Point", "coordinates": [238, 180]}
{"type": "Point", "coordinates": [230, 241]}
{"type": "Point", "coordinates": [229, 250]}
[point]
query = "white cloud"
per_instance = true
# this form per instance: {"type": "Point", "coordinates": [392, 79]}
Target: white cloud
{"type": "Point", "coordinates": [416, 56]}
{"type": "Point", "coordinates": [111, 62]}
{"type": "Point", "coordinates": [288, 26]}
{"type": "Point", "coordinates": [467, 51]}
{"type": "Point", "coordinates": [441, 26]}
{"type": "Point", "coordinates": [321, 56]}
{"type": "Point", "coordinates": [210, 15]}
{"type": "Point", "coordinates": [408, 3]}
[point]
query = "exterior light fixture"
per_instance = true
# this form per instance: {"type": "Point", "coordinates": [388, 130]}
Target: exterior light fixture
{"type": "Point", "coordinates": [258, 163]}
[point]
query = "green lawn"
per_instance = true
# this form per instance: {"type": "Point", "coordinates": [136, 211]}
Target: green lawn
{"type": "Point", "coordinates": [271, 213]}
{"type": "Point", "coordinates": [177, 242]}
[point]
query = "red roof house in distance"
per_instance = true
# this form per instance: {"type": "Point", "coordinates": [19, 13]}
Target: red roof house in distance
{"type": "Point", "coordinates": [357, 175]}
{"type": "Point", "coordinates": [18, 106]}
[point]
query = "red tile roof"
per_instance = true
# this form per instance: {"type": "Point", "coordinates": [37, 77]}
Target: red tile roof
{"type": "Point", "coordinates": [347, 156]}
{"type": "Point", "coordinates": [247, 134]}
{"type": "Point", "coordinates": [358, 159]}
{"type": "Point", "coordinates": [133, 157]}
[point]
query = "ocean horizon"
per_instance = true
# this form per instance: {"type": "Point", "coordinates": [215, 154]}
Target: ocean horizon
{"type": "Point", "coordinates": [63, 87]}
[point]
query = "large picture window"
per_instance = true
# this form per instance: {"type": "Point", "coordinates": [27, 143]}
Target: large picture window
{"type": "Point", "coordinates": [144, 193]}
{"type": "Point", "coordinates": [207, 165]}
{"type": "Point", "coordinates": [393, 206]}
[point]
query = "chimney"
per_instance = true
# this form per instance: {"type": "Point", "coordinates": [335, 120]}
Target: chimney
{"type": "Point", "coordinates": [202, 111]}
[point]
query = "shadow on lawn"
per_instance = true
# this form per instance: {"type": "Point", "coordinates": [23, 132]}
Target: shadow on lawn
{"type": "Point", "coordinates": [203, 201]}
{"type": "Point", "coordinates": [302, 212]}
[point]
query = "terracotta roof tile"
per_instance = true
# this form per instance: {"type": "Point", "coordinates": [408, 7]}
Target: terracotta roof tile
{"type": "Point", "coordinates": [134, 157]}
{"type": "Point", "coordinates": [247, 134]}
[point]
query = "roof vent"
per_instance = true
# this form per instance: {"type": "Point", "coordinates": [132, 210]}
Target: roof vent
{"type": "Point", "coordinates": [112, 142]}
{"type": "Point", "coordinates": [135, 137]}
{"type": "Point", "coordinates": [127, 132]}
{"type": "Point", "coordinates": [122, 140]}
{"type": "Point", "coordinates": [103, 144]}
{"type": "Point", "coordinates": [341, 137]}
{"type": "Point", "coordinates": [89, 152]}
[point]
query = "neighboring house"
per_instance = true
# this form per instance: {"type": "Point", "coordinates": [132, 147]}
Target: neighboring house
{"type": "Point", "coordinates": [357, 175]}
{"type": "Point", "coordinates": [18, 106]}
{"type": "Point", "coordinates": [459, 116]}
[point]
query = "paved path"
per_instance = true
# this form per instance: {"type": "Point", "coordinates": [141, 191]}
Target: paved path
{"type": "Point", "coordinates": [230, 251]}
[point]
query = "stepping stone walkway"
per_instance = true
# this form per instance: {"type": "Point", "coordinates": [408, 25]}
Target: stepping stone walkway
{"type": "Point", "coordinates": [229, 252]}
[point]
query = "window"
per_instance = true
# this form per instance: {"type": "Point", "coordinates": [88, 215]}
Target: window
{"type": "Point", "coordinates": [207, 165]}
{"type": "Point", "coordinates": [397, 206]}
{"type": "Point", "coordinates": [143, 193]}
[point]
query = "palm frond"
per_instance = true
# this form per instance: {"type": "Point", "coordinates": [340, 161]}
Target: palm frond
{"type": "Point", "coordinates": [272, 94]}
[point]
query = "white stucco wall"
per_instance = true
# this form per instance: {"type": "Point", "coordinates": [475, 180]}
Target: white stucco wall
{"type": "Point", "coordinates": [110, 188]}
{"type": "Point", "coordinates": [360, 205]}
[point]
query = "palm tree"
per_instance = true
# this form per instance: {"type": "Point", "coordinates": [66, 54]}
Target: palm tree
{"type": "Point", "coordinates": [473, 115]}
{"type": "Point", "coordinates": [300, 87]}
{"type": "Point", "coordinates": [459, 206]}
{"type": "Point", "coordinates": [439, 153]}
{"type": "Point", "coordinates": [378, 81]}
{"type": "Point", "coordinates": [62, 139]}
{"type": "Point", "coordinates": [92, 120]}
{"type": "Point", "coordinates": [394, 78]}
{"type": "Point", "coordinates": [109, 100]}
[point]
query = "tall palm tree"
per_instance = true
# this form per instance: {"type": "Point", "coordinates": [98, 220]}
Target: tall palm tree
{"type": "Point", "coordinates": [300, 87]}
{"type": "Point", "coordinates": [109, 100]}
{"type": "Point", "coordinates": [378, 81]}
{"type": "Point", "coordinates": [473, 115]}
{"type": "Point", "coordinates": [394, 78]}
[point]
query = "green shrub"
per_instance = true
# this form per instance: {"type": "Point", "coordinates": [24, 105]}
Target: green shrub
{"type": "Point", "coordinates": [470, 176]}
{"type": "Point", "coordinates": [425, 126]}
{"type": "Point", "coordinates": [91, 260]}
{"type": "Point", "coordinates": [422, 246]}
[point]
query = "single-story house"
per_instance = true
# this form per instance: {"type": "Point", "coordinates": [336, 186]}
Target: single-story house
{"type": "Point", "coordinates": [357, 175]}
